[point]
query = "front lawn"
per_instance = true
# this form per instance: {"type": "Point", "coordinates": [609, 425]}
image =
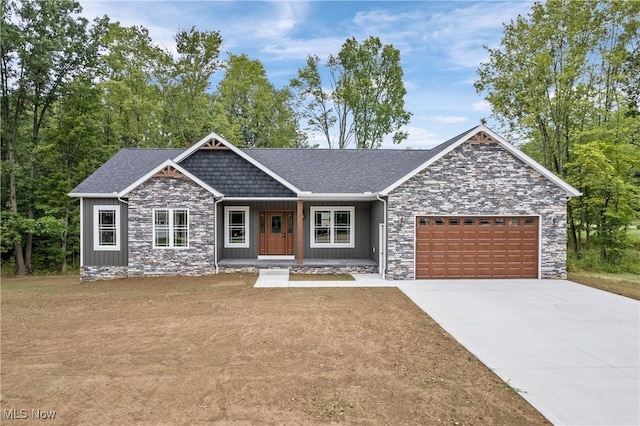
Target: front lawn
{"type": "Point", "coordinates": [215, 350]}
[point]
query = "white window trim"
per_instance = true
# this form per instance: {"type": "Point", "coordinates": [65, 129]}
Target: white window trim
{"type": "Point", "coordinates": [171, 245]}
{"type": "Point", "coordinates": [96, 230]}
{"type": "Point", "coordinates": [227, 237]}
{"type": "Point", "coordinates": [331, 244]}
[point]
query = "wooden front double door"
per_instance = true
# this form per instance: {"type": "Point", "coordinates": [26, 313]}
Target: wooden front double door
{"type": "Point", "coordinates": [276, 233]}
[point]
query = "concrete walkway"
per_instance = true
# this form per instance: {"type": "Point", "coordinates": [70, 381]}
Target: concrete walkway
{"type": "Point", "coordinates": [572, 351]}
{"type": "Point", "coordinates": [280, 278]}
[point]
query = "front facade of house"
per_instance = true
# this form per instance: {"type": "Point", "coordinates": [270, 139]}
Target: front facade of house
{"type": "Point", "coordinates": [474, 206]}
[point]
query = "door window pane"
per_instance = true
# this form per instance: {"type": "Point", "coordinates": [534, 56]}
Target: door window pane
{"type": "Point", "coordinates": [276, 224]}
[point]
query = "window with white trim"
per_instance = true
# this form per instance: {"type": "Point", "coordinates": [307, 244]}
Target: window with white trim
{"type": "Point", "coordinates": [332, 227]}
{"type": "Point", "coordinates": [170, 228]}
{"type": "Point", "coordinates": [236, 227]}
{"type": "Point", "coordinates": [106, 228]}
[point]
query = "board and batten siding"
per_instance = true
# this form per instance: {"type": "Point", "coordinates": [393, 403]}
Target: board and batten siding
{"type": "Point", "coordinates": [93, 257]}
{"type": "Point", "coordinates": [377, 217]}
{"type": "Point", "coordinates": [362, 232]}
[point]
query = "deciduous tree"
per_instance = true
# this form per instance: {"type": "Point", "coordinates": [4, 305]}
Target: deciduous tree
{"type": "Point", "coordinates": [259, 114]}
{"type": "Point", "coordinates": [364, 99]}
{"type": "Point", "coordinates": [558, 74]}
{"type": "Point", "coordinates": [45, 46]}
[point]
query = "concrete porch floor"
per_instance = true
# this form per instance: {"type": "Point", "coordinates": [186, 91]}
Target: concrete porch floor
{"type": "Point", "coordinates": [266, 263]}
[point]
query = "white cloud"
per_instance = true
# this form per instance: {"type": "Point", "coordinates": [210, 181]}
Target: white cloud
{"type": "Point", "coordinates": [460, 33]}
{"type": "Point", "coordinates": [482, 105]}
{"type": "Point", "coordinates": [299, 49]}
{"type": "Point", "coordinates": [449, 119]}
{"type": "Point", "coordinates": [278, 22]}
{"type": "Point", "coordinates": [419, 138]}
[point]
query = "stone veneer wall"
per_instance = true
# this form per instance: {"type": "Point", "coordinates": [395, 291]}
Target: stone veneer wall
{"type": "Point", "coordinates": [95, 273]}
{"type": "Point", "coordinates": [171, 192]}
{"type": "Point", "coordinates": [477, 179]}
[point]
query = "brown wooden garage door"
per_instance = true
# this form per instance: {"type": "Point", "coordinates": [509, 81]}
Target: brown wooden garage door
{"type": "Point", "coordinates": [476, 247]}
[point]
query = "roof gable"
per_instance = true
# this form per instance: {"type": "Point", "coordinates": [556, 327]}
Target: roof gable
{"type": "Point", "coordinates": [214, 141]}
{"type": "Point", "coordinates": [231, 174]}
{"type": "Point", "coordinates": [169, 169]}
{"type": "Point", "coordinates": [482, 134]}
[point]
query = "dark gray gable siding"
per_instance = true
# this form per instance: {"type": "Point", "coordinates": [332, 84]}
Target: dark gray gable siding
{"type": "Point", "coordinates": [228, 173]}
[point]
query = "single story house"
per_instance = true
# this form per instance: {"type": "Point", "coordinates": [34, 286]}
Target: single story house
{"type": "Point", "coordinates": [472, 207]}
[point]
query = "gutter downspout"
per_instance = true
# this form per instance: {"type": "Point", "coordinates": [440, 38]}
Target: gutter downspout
{"type": "Point", "coordinates": [215, 231]}
{"type": "Point", "coordinates": [120, 199]}
{"type": "Point", "coordinates": [384, 267]}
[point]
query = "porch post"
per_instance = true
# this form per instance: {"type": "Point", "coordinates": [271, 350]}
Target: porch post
{"type": "Point", "coordinates": [299, 233]}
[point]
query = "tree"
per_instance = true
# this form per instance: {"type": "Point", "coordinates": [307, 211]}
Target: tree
{"type": "Point", "coordinates": [184, 82]}
{"type": "Point", "coordinates": [365, 98]}
{"type": "Point", "coordinates": [72, 147]}
{"type": "Point", "coordinates": [558, 73]}
{"type": "Point", "coordinates": [45, 46]}
{"type": "Point", "coordinates": [603, 161]}
{"type": "Point", "coordinates": [132, 112]}
{"type": "Point", "coordinates": [321, 107]}
{"type": "Point", "coordinates": [259, 114]}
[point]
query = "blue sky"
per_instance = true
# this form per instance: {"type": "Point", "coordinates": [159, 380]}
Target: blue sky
{"type": "Point", "coordinates": [440, 43]}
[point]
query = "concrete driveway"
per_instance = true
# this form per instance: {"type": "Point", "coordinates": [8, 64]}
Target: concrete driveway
{"type": "Point", "coordinates": [572, 351]}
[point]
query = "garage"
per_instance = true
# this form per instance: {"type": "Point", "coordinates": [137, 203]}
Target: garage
{"type": "Point", "coordinates": [476, 247]}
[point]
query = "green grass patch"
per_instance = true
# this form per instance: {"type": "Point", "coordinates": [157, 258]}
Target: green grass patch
{"type": "Point", "coordinates": [589, 261]}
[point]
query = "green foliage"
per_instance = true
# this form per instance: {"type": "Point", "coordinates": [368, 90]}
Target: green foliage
{"type": "Point", "coordinates": [259, 115]}
{"type": "Point", "coordinates": [132, 111]}
{"type": "Point", "coordinates": [591, 261]}
{"type": "Point", "coordinates": [365, 101]}
{"type": "Point", "coordinates": [373, 91]}
{"type": "Point", "coordinates": [564, 82]}
{"type": "Point", "coordinates": [184, 82]}
{"type": "Point", "coordinates": [46, 46]}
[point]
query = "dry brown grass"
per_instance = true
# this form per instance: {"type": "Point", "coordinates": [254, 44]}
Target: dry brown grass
{"type": "Point", "coordinates": [214, 350]}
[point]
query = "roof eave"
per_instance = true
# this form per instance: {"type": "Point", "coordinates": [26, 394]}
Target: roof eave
{"type": "Point", "coordinates": [337, 196]}
{"type": "Point", "coordinates": [93, 195]}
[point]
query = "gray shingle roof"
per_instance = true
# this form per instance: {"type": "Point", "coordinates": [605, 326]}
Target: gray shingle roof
{"type": "Point", "coordinates": [340, 171]}
{"type": "Point", "coordinates": [314, 170]}
{"type": "Point", "coordinates": [123, 169]}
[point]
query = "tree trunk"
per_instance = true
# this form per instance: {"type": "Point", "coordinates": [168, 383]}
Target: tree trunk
{"type": "Point", "coordinates": [573, 232]}
{"type": "Point", "coordinates": [13, 201]}
{"type": "Point", "coordinates": [63, 239]}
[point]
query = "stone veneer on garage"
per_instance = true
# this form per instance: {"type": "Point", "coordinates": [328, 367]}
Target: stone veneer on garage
{"type": "Point", "coordinates": [477, 179]}
{"type": "Point", "coordinates": [171, 193]}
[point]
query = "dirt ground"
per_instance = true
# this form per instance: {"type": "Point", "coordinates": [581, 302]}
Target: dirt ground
{"type": "Point", "coordinates": [214, 350]}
